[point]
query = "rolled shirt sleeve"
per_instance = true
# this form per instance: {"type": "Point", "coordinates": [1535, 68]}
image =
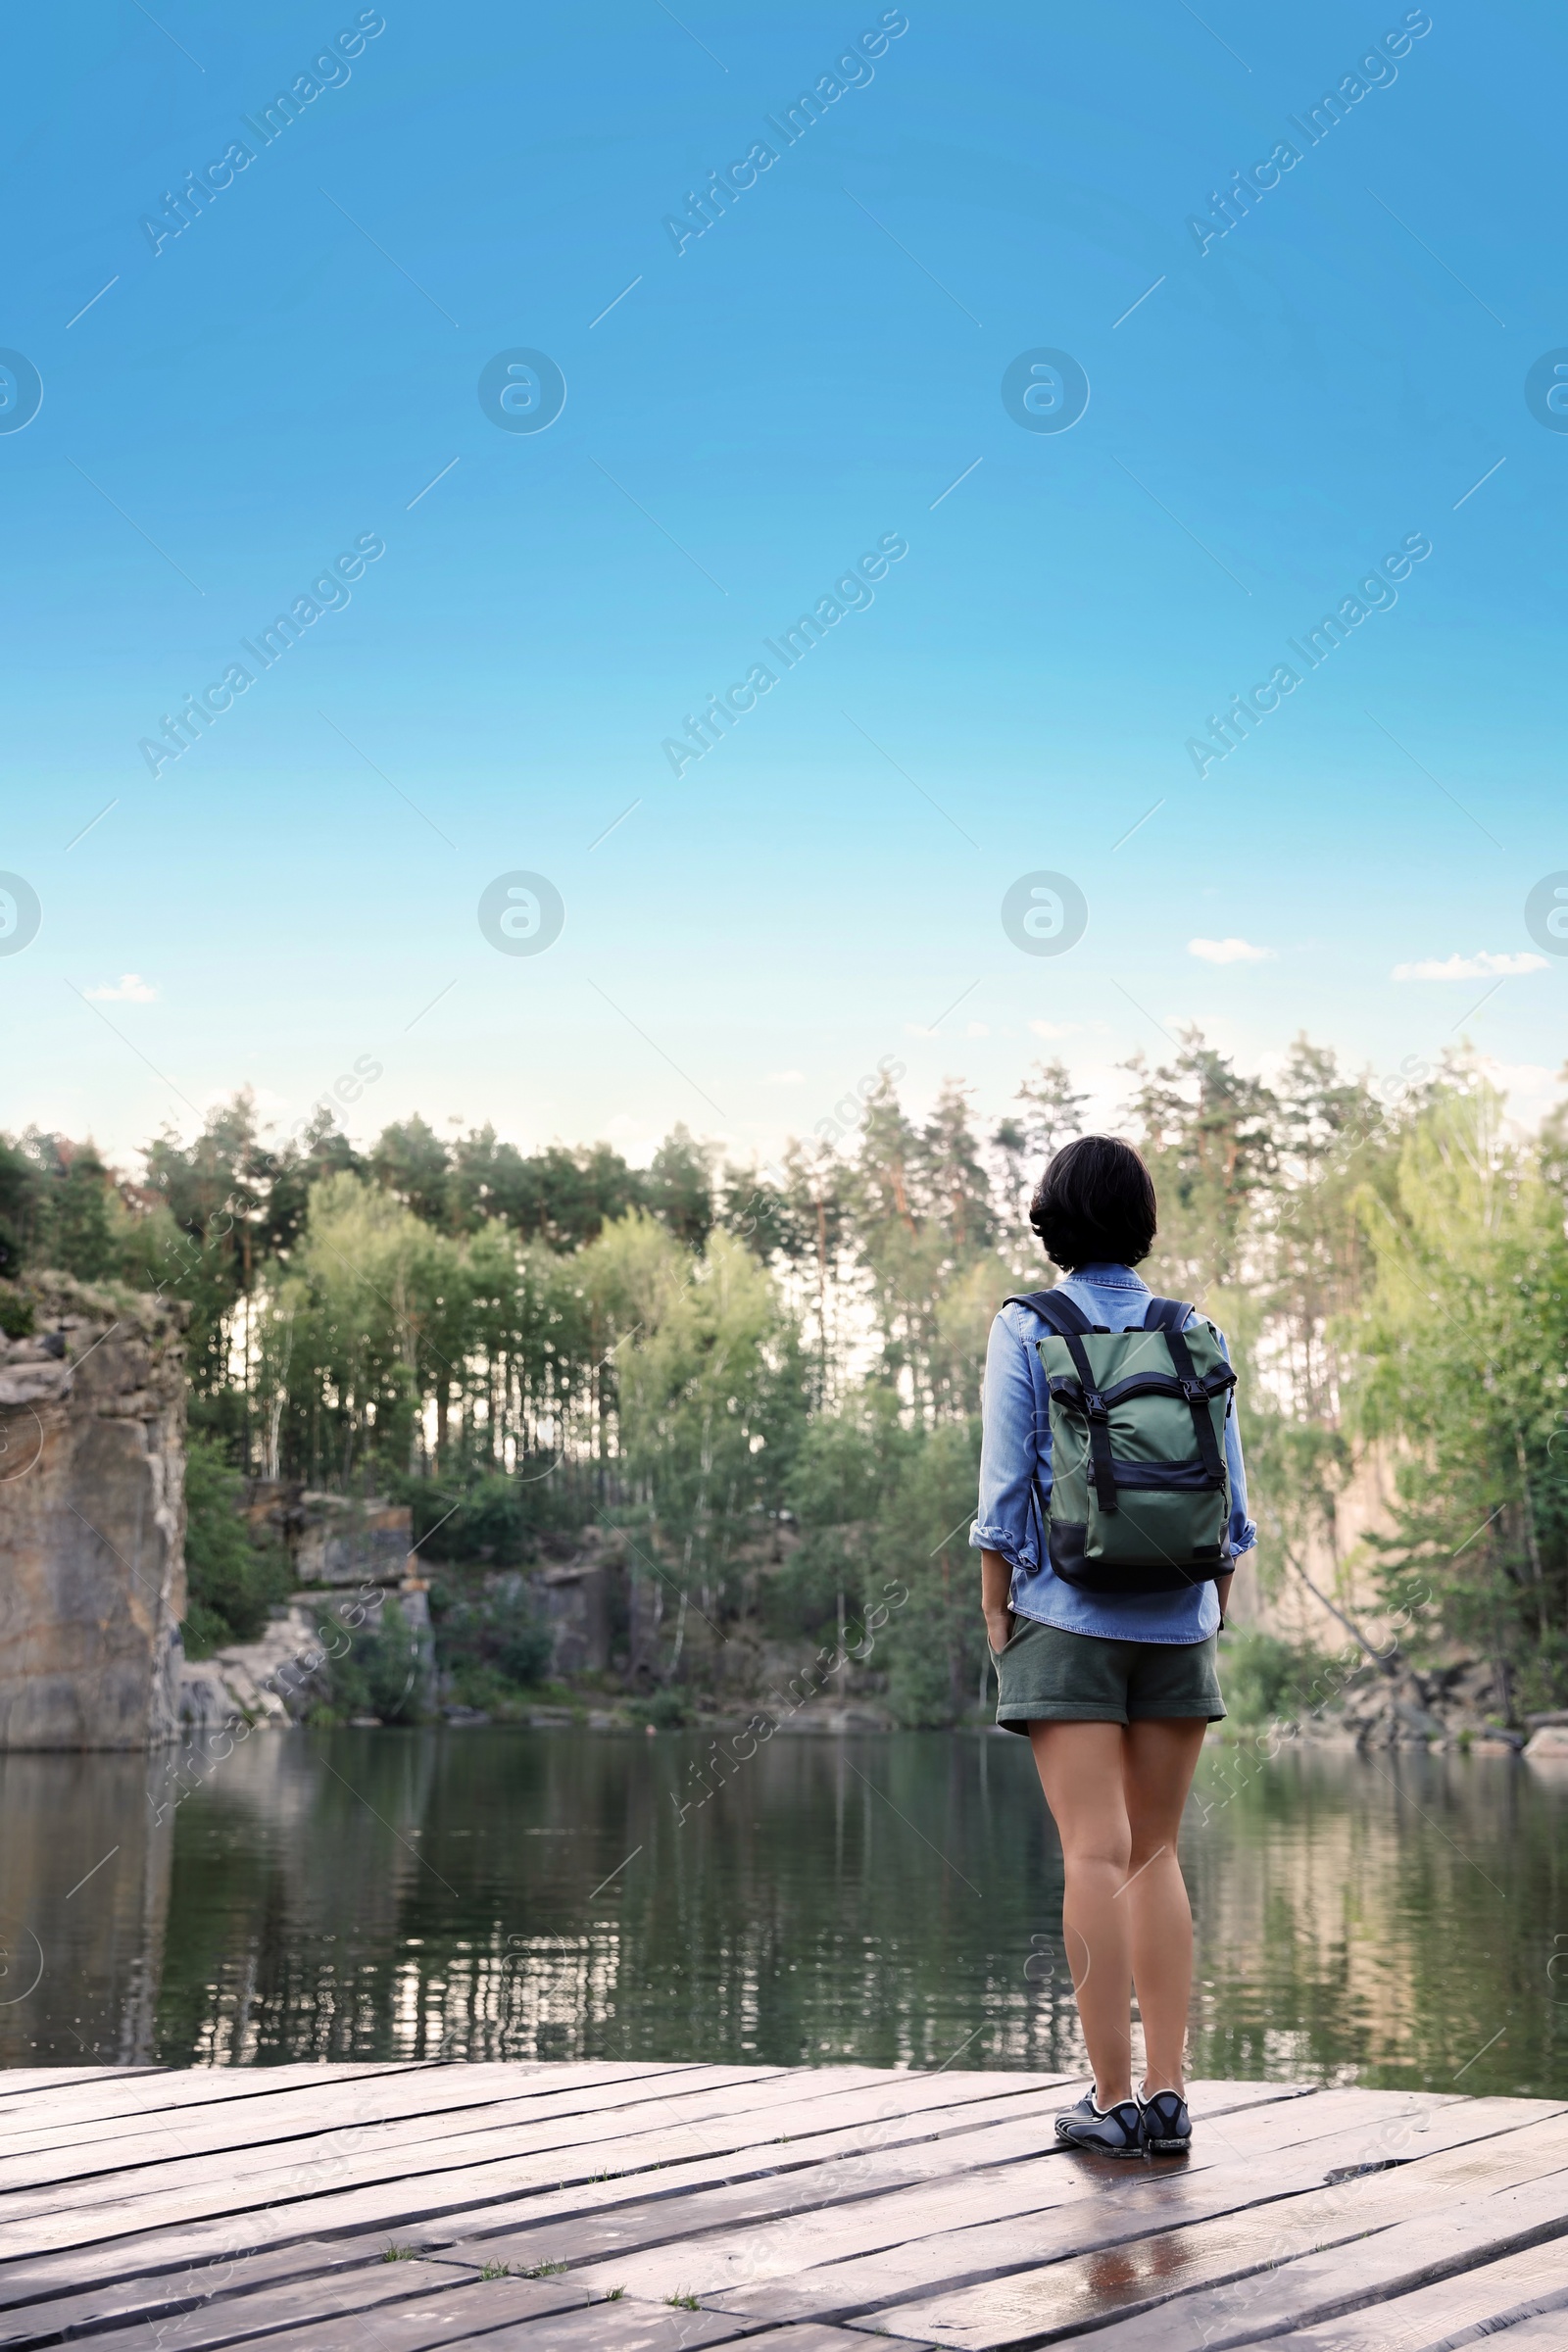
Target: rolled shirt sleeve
{"type": "Point", "coordinates": [1015, 1451]}
{"type": "Point", "coordinates": [1243, 1529]}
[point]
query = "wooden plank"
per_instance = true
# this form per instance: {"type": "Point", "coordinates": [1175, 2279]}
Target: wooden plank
{"type": "Point", "coordinates": [812, 2337]}
{"type": "Point", "coordinates": [1121, 2205]}
{"type": "Point", "coordinates": [74, 2151]}
{"type": "Point", "coordinates": [697, 2115]}
{"type": "Point", "coordinates": [566, 2227]}
{"type": "Point", "coordinates": [15, 2082]}
{"type": "Point", "coordinates": [917, 2210]}
{"type": "Point", "coordinates": [472, 2312]}
{"type": "Point", "coordinates": [122, 2303]}
{"type": "Point", "coordinates": [1535, 2333]}
{"type": "Point", "coordinates": [1275, 2241]}
{"type": "Point", "coordinates": [401, 2113]}
{"type": "Point", "coordinates": [771, 2227]}
{"type": "Point", "coordinates": [123, 2094]}
{"type": "Point", "coordinates": [915, 2134]}
{"type": "Point", "coordinates": [224, 2097]}
{"type": "Point", "coordinates": [1185, 2231]}
{"type": "Point", "coordinates": [236, 2317]}
{"type": "Point", "coordinates": [163, 2250]}
{"type": "Point", "coordinates": [72, 2211]}
{"type": "Point", "coordinates": [898, 2127]}
{"type": "Point", "coordinates": [1297, 2288]}
{"type": "Point", "coordinates": [607, 2327]}
{"type": "Point", "coordinates": [631, 2228]}
{"type": "Point", "coordinates": [1526, 2294]}
{"type": "Point", "coordinates": [245, 2108]}
{"type": "Point", "coordinates": [159, 2251]}
{"type": "Point", "coordinates": [946, 2212]}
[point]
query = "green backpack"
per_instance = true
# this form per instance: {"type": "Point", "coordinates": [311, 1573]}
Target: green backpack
{"type": "Point", "coordinates": [1139, 1493]}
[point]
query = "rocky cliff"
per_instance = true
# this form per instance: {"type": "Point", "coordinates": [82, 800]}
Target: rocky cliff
{"type": "Point", "coordinates": [92, 1517]}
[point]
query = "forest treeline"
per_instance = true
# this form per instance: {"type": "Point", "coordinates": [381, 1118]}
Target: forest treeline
{"type": "Point", "coordinates": [702, 1356]}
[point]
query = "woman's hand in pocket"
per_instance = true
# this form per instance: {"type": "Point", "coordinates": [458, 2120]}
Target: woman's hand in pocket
{"type": "Point", "coordinates": [999, 1628]}
{"type": "Point", "coordinates": [995, 1592]}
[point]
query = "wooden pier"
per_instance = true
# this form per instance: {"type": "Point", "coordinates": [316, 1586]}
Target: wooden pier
{"type": "Point", "coordinates": [643, 2208]}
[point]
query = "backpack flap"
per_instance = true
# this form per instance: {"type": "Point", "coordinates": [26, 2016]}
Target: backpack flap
{"type": "Point", "coordinates": [1140, 1495]}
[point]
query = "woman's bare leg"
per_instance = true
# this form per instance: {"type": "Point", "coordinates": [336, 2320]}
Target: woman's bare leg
{"type": "Point", "coordinates": [1083, 1771]}
{"type": "Point", "coordinates": [1158, 1763]}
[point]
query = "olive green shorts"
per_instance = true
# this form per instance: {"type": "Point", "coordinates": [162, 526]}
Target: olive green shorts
{"type": "Point", "coordinates": [1048, 1675]}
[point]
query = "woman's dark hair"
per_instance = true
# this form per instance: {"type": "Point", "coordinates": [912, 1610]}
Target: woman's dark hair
{"type": "Point", "coordinates": [1095, 1204]}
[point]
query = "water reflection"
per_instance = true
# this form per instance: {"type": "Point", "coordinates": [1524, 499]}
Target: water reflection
{"type": "Point", "coordinates": [492, 1894]}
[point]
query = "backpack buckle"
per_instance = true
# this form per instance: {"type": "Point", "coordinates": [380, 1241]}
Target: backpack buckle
{"type": "Point", "coordinates": [1195, 1391]}
{"type": "Point", "coordinates": [1095, 1406]}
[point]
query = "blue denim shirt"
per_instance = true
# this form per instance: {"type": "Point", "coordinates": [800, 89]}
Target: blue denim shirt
{"type": "Point", "coordinates": [1015, 1452]}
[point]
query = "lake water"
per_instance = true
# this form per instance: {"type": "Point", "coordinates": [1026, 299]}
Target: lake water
{"type": "Point", "coordinates": [505, 1893]}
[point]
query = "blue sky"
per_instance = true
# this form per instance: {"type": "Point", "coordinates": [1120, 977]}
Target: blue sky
{"type": "Point", "coordinates": [1272, 412]}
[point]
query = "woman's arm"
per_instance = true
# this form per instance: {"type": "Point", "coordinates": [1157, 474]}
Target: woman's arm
{"type": "Point", "coordinates": [1004, 1529]}
{"type": "Point", "coordinates": [996, 1588]}
{"type": "Point", "coordinates": [1243, 1531]}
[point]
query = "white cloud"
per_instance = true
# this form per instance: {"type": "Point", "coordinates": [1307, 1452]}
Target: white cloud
{"type": "Point", "coordinates": [129, 989]}
{"type": "Point", "coordinates": [977, 1029]}
{"type": "Point", "coordinates": [1055, 1028]}
{"type": "Point", "coordinates": [785, 1078]}
{"type": "Point", "coordinates": [1519, 1077]}
{"type": "Point", "coordinates": [1228, 950]}
{"type": "Point", "coordinates": [1485, 966]}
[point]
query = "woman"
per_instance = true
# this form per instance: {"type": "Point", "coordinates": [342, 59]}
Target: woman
{"type": "Point", "coordinates": [1114, 1691]}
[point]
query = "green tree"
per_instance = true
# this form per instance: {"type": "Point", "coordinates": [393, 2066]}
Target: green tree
{"type": "Point", "coordinates": [232, 1582]}
{"type": "Point", "coordinates": [679, 1188]}
{"type": "Point", "coordinates": [845, 1465]}
{"type": "Point", "coordinates": [1209, 1137]}
{"type": "Point", "coordinates": [375, 1279]}
{"type": "Point", "coordinates": [383, 1673]}
{"type": "Point", "coordinates": [1462, 1345]}
{"type": "Point", "coordinates": [411, 1162]}
{"type": "Point", "coordinates": [562, 1196]}
{"type": "Point", "coordinates": [921, 1217]}
{"type": "Point", "coordinates": [935, 1644]}
{"type": "Point", "coordinates": [21, 1207]}
{"type": "Point", "coordinates": [711, 1395]}
{"type": "Point", "coordinates": [1049, 1115]}
{"type": "Point", "coordinates": [491, 1644]}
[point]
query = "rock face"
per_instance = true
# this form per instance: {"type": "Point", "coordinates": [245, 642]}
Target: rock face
{"type": "Point", "coordinates": [1402, 1706]}
{"type": "Point", "coordinates": [262, 1681]}
{"type": "Point", "coordinates": [92, 1520]}
{"type": "Point", "coordinates": [332, 1539]}
{"type": "Point", "coordinates": [275, 1681]}
{"type": "Point", "coordinates": [575, 1603]}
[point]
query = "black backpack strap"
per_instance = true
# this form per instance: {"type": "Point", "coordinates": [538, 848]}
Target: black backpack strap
{"type": "Point", "coordinates": [1059, 1314]}
{"type": "Point", "coordinates": [1100, 1459]}
{"type": "Point", "coordinates": [1067, 1319]}
{"type": "Point", "coordinates": [1169, 1316]}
